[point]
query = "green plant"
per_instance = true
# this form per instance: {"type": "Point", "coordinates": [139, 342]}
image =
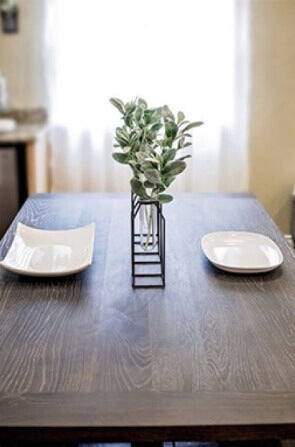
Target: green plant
{"type": "Point", "coordinates": [151, 140]}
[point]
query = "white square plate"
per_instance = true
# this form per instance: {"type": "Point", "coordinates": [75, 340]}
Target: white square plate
{"type": "Point", "coordinates": [241, 252]}
{"type": "Point", "coordinates": [37, 252]}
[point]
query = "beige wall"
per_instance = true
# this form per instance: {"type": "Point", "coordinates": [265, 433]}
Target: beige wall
{"type": "Point", "coordinates": [272, 108]}
{"type": "Point", "coordinates": [21, 57]}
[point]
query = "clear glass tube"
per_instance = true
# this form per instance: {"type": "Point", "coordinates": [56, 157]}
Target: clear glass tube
{"type": "Point", "coordinates": [148, 226]}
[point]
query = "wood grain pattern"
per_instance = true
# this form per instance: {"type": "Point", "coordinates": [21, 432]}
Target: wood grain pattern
{"type": "Point", "coordinates": [211, 355]}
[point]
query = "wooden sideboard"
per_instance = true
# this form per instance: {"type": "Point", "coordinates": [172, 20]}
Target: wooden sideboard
{"type": "Point", "coordinates": [30, 141]}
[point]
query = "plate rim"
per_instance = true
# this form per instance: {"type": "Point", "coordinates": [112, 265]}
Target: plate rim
{"type": "Point", "coordinates": [256, 269]}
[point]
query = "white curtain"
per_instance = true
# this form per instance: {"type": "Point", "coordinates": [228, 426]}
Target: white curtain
{"type": "Point", "coordinates": [191, 55]}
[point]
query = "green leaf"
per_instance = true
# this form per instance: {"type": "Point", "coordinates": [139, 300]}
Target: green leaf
{"type": "Point", "coordinates": [130, 107]}
{"type": "Point", "coordinates": [183, 123]}
{"type": "Point", "coordinates": [156, 114]}
{"type": "Point", "coordinates": [141, 156]}
{"type": "Point", "coordinates": [168, 181]}
{"type": "Point", "coordinates": [165, 198]}
{"type": "Point", "coordinates": [138, 188]}
{"type": "Point", "coordinates": [159, 158]}
{"type": "Point", "coordinates": [116, 102]}
{"type": "Point", "coordinates": [138, 114]}
{"type": "Point", "coordinates": [152, 175]}
{"type": "Point", "coordinates": [142, 103]}
{"type": "Point", "coordinates": [146, 166]}
{"type": "Point", "coordinates": [184, 157]}
{"type": "Point", "coordinates": [168, 142]}
{"type": "Point", "coordinates": [192, 125]}
{"type": "Point", "coordinates": [122, 136]}
{"type": "Point", "coordinates": [180, 117]}
{"type": "Point", "coordinates": [156, 127]}
{"type": "Point", "coordinates": [169, 155]}
{"type": "Point", "coordinates": [174, 168]}
{"type": "Point", "coordinates": [148, 184]}
{"type": "Point", "coordinates": [129, 120]}
{"type": "Point", "coordinates": [186, 134]}
{"type": "Point", "coordinates": [161, 188]}
{"type": "Point", "coordinates": [122, 133]}
{"type": "Point", "coordinates": [148, 114]}
{"type": "Point", "coordinates": [152, 160]}
{"type": "Point", "coordinates": [171, 130]}
{"type": "Point", "coordinates": [185, 145]}
{"type": "Point", "coordinates": [181, 142]}
{"type": "Point", "coordinates": [120, 157]}
{"type": "Point", "coordinates": [122, 143]}
{"type": "Point", "coordinates": [166, 113]}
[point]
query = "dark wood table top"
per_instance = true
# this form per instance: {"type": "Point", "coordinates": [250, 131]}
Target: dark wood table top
{"type": "Point", "coordinates": [86, 357]}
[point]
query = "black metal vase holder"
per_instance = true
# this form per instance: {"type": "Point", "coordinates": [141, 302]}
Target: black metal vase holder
{"type": "Point", "coordinates": [148, 267]}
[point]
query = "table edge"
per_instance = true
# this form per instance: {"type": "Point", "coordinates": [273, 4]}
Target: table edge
{"type": "Point", "coordinates": [147, 415]}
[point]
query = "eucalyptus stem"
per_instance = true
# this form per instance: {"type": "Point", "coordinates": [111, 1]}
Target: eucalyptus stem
{"type": "Point", "coordinates": [149, 227]}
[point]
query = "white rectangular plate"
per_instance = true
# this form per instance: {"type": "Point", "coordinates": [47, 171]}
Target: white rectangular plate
{"type": "Point", "coordinates": [241, 252]}
{"type": "Point", "coordinates": [37, 252]}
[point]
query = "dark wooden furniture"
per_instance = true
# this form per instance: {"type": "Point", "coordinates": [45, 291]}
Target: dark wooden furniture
{"type": "Point", "coordinates": [29, 140]}
{"type": "Point", "coordinates": [20, 150]}
{"type": "Point", "coordinates": [210, 357]}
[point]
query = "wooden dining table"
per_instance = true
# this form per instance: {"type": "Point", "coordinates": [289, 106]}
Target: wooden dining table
{"type": "Point", "coordinates": [87, 358]}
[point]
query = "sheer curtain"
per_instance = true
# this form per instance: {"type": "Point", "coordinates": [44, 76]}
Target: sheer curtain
{"type": "Point", "coordinates": [191, 55]}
